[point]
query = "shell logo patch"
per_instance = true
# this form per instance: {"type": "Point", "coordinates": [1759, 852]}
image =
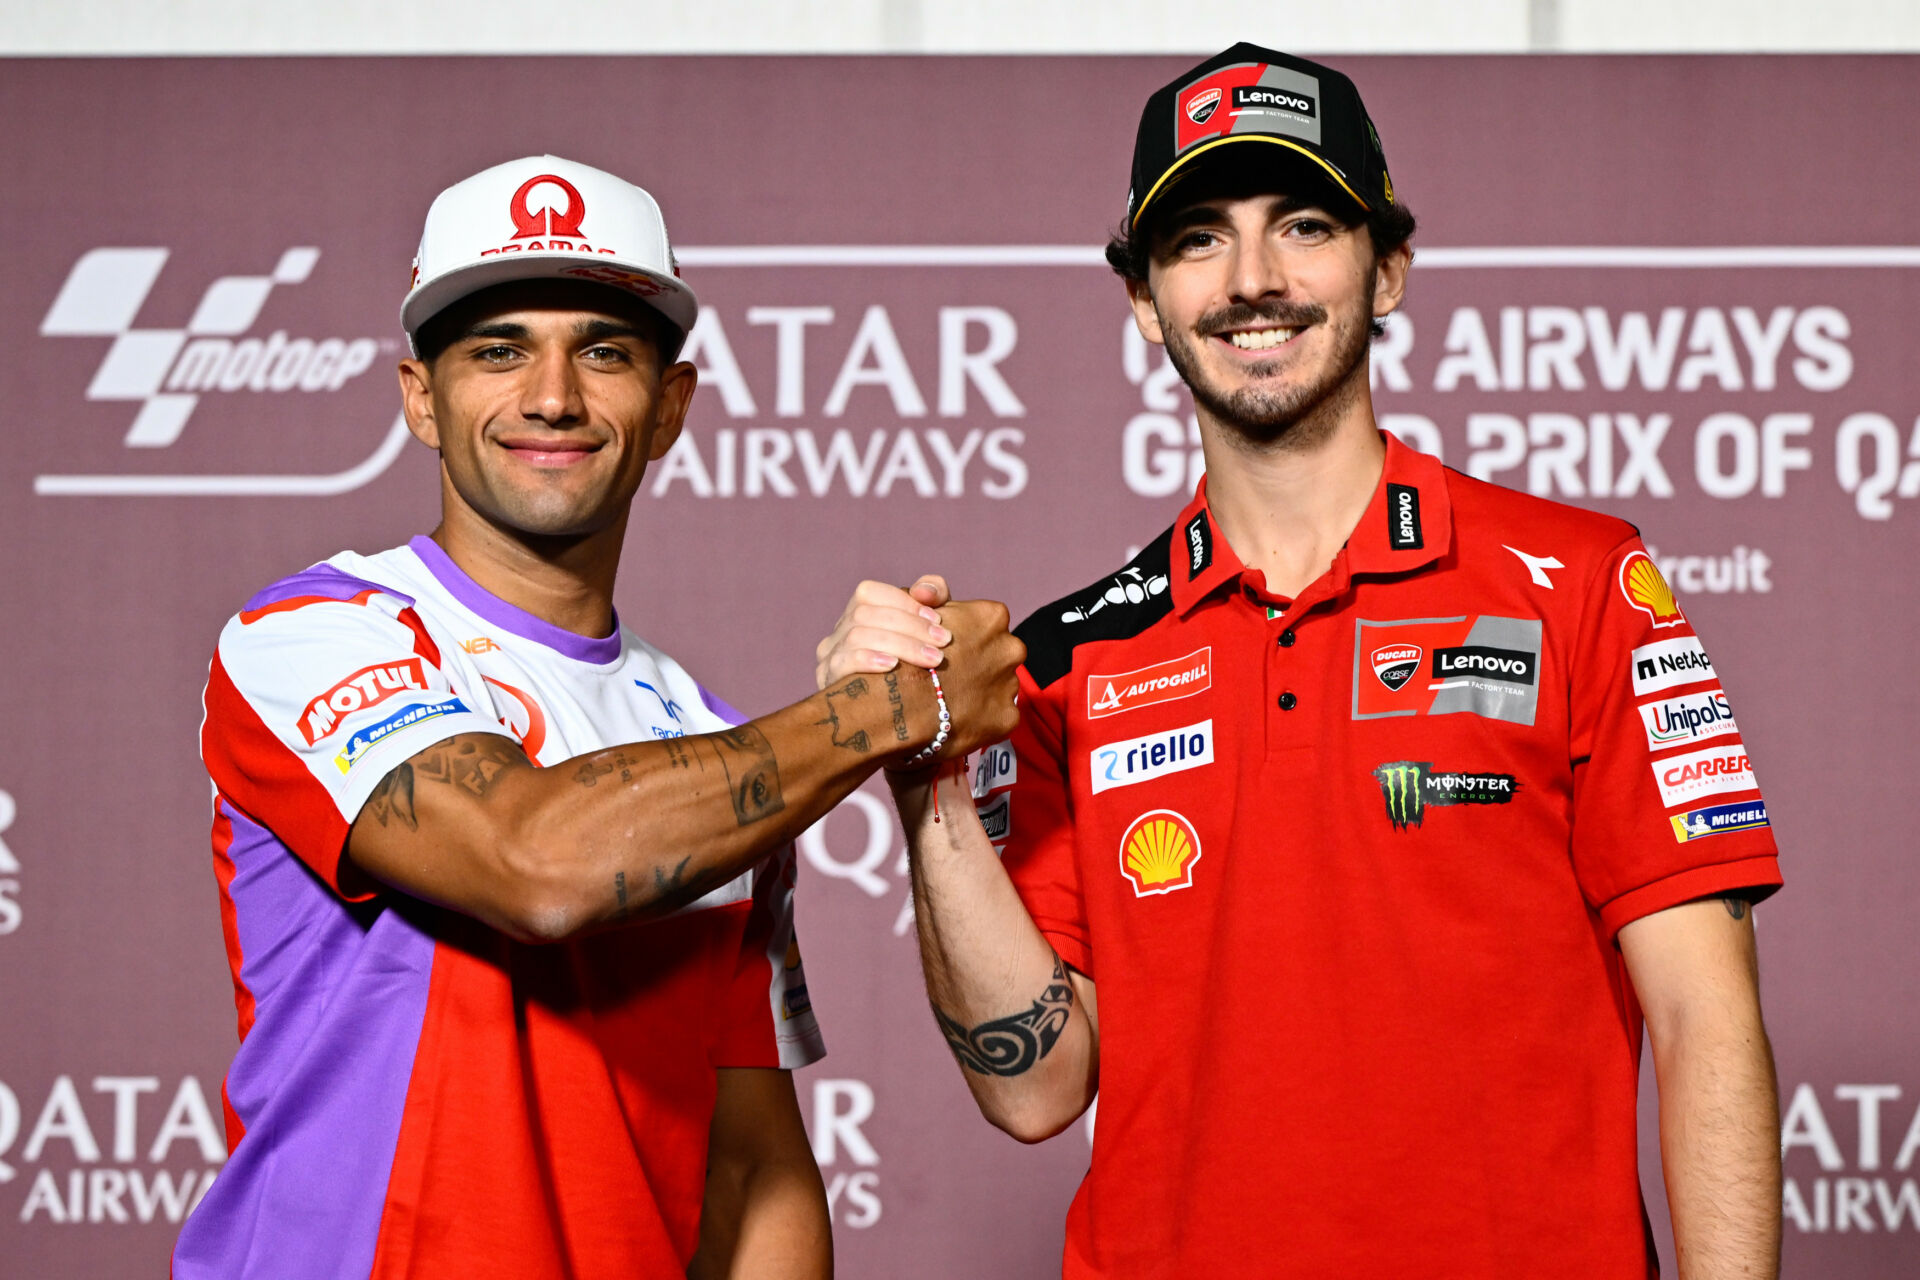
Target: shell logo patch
{"type": "Point", "coordinates": [1158, 851]}
{"type": "Point", "coordinates": [1646, 590]}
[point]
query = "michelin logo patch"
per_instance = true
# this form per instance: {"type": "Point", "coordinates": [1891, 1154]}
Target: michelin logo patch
{"type": "Point", "coordinates": [363, 740]}
{"type": "Point", "coordinates": [1719, 819]}
{"type": "Point", "coordinates": [1121, 764]}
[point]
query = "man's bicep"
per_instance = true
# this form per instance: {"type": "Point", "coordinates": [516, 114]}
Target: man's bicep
{"type": "Point", "coordinates": [440, 826]}
{"type": "Point", "coordinates": [1699, 959]}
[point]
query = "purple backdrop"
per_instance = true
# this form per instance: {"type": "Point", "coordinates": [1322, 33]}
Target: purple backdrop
{"type": "Point", "coordinates": [202, 264]}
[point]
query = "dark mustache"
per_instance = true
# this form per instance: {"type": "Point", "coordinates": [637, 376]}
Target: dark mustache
{"type": "Point", "coordinates": [1281, 315]}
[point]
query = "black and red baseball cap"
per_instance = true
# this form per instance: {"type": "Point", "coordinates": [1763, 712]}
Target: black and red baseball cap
{"type": "Point", "coordinates": [1249, 96]}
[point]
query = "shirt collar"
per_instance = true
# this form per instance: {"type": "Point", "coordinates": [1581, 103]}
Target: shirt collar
{"type": "Point", "coordinates": [1407, 526]}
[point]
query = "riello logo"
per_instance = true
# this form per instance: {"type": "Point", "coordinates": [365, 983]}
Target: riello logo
{"type": "Point", "coordinates": [167, 370]}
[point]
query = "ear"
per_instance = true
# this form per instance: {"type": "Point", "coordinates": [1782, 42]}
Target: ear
{"type": "Point", "coordinates": [1390, 281]}
{"type": "Point", "coordinates": [1145, 318]}
{"type": "Point", "coordinates": [677, 382]}
{"type": "Point", "coordinates": [416, 401]}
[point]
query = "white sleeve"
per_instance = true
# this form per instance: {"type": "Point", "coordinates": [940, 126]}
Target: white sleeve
{"type": "Point", "coordinates": [311, 702]}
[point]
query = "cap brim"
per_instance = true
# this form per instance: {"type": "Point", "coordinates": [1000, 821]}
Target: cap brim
{"type": "Point", "coordinates": [664, 293]}
{"type": "Point", "coordinates": [1184, 166]}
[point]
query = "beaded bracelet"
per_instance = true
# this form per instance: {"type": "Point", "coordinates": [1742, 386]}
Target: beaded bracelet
{"type": "Point", "coordinates": [932, 749]}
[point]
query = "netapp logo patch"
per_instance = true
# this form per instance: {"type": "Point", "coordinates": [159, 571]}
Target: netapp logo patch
{"type": "Point", "coordinates": [1261, 97]}
{"type": "Point", "coordinates": [1515, 666]}
{"type": "Point", "coordinates": [1403, 518]}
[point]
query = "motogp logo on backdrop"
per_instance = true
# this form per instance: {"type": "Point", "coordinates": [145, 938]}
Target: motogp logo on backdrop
{"type": "Point", "coordinates": [549, 221]}
{"type": "Point", "coordinates": [215, 352]}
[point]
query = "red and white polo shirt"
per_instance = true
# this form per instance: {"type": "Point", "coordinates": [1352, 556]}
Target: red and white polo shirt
{"type": "Point", "coordinates": [1348, 871]}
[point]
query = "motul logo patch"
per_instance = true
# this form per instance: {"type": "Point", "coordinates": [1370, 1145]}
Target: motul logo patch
{"type": "Point", "coordinates": [1162, 682]}
{"type": "Point", "coordinates": [367, 687]}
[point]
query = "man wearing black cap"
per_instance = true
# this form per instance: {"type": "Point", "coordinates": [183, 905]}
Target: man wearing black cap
{"type": "Point", "coordinates": [1381, 802]}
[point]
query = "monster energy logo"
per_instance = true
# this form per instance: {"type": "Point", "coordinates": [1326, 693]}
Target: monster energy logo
{"type": "Point", "coordinates": [1410, 787]}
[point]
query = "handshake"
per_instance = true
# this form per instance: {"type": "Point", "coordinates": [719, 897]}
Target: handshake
{"type": "Point", "coordinates": [965, 642]}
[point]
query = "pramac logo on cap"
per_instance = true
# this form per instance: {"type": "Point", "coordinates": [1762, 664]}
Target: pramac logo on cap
{"type": "Point", "coordinates": [1158, 851]}
{"type": "Point", "coordinates": [1646, 590]}
{"type": "Point", "coordinates": [548, 221]}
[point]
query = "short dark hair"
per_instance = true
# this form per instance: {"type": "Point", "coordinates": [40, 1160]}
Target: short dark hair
{"type": "Point", "coordinates": [450, 324]}
{"type": "Point", "coordinates": [1130, 246]}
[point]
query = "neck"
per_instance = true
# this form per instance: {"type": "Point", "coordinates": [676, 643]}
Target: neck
{"type": "Point", "coordinates": [567, 581]}
{"type": "Point", "coordinates": [1287, 508]}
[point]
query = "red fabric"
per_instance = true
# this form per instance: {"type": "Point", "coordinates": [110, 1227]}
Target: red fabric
{"type": "Point", "coordinates": [1362, 1041]}
{"type": "Point", "coordinates": [590, 1165]}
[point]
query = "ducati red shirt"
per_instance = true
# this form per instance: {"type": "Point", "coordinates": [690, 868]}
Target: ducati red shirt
{"type": "Point", "coordinates": [1347, 870]}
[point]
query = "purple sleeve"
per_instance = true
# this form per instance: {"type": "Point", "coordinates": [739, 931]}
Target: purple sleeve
{"type": "Point", "coordinates": [719, 706]}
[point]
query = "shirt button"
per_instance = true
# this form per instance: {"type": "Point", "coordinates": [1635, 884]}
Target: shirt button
{"type": "Point", "coordinates": [1287, 638]}
{"type": "Point", "coordinates": [1288, 702]}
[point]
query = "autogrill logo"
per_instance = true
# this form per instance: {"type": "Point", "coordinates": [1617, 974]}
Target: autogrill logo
{"type": "Point", "coordinates": [1411, 787]}
{"type": "Point", "coordinates": [166, 371]}
{"type": "Point", "coordinates": [1263, 98]}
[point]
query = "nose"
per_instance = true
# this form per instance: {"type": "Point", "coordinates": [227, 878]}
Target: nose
{"type": "Point", "coordinates": [552, 392]}
{"type": "Point", "coordinates": [1258, 270]}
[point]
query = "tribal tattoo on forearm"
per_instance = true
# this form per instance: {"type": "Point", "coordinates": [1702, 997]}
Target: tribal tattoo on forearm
{"type": "Point", "coordinates": [753, 775]}
{"type": "Point", "coordinates": [1011, 1046]}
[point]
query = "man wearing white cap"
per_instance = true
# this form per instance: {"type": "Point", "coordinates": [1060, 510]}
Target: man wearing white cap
{"type": "Point", "coordinates": [507, 894]}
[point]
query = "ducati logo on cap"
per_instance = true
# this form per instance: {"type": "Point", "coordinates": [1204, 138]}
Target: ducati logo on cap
{"type": "Point", "coordinates": [1202, 105]}
{"type": "Point", "coordinates": [548, 221]}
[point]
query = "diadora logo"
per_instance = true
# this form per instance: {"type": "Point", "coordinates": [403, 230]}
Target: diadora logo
{"type": "Point", "coordinates": [1161, 682]}
{"type": "Point", "coordinates": [1202, 105]}
{"type": "Point", "coordinates": [1158, 851]}
{"type": "Point", "coordinates": [1122, 764]}
{"type": "Point", "coordinates": [367, 687]}
{"type": "Point", "coordinates": [167, 372]}
{"type": "Point", "coordinates": [555, 224]}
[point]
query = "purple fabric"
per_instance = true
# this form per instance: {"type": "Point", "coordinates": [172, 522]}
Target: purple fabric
{"type": "Point", "coordinates": [720, 707]}
{"type": "Point", "coordinates": [320, 580]}
{"type": "Point", "coordinates": [511, 617]}
{"type": "Point", "coordinates": [340, 992]}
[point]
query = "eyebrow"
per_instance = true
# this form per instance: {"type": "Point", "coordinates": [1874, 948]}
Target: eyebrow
{"type": "Point", "coordinates": [1195, 215]}
{"type": "Point", "coordinates": [597, 330]}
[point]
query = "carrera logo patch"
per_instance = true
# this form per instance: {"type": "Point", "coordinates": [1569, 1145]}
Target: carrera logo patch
{"type": "Point", "coordinates": [1202, 105]}
{"type": "Point", "coordinates": [1394, 664]}
{"type": "Point", "coordinates": [1748, 815]}
{"type": "Point", "coordinates": [367, 687]}
{"type": "Point", "coordinates": [1704, 773]}
{"type": "Point", "coordinates": [1411, 787]}
{"type": "Point", "coordinates": [1158, 851]}
{"type": "Point", "coordinates": [1161, 682]}
{"type": "Point", "coordinates": [1121, 764]}
{"type": "Point", "coordinates": [1483, 666]}
{"type": "Point", "coordinates": [1646, 590]}
{"type": "Point", "coordinates": [1666, 663]}
{"type": "Point", "coordinates": [1199, 546]}
{"type": "Point", "coordinates": [1403, 518]}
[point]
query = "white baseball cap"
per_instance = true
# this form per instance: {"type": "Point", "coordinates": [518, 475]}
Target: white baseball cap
{"type": "Point", "coordinates": [545, 218]}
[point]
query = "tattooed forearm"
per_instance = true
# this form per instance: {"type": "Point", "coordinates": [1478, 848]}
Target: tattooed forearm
{"type": "Point", "coordinates": [897, 703]}
{"type": "Point", "coordinates": [1011, 1046]}
{"type": "Point", "coordinates": [471, 765]}
{"type": "Point", "coordinates": [1736, 907]}
{"type": "Point", "coordinates": [753, 775]}
{"type": "Point", "coordinates": [393, 798]}
{"type": "Point", "coordinates": [851, 691]}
